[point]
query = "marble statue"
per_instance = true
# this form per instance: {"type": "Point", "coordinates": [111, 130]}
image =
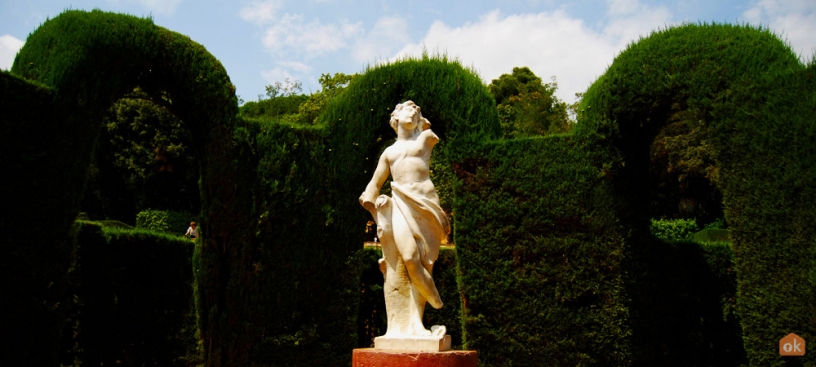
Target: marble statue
{"type": "Point", "coordinates": [411, 226]}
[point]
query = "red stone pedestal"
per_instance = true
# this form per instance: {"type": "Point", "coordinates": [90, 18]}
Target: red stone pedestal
{"type": "Point", "coordinates": [370, 357]}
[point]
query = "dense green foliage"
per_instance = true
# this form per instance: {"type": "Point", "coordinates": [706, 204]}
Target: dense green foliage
{"type": "Point", "coordinates": [36, 216]}
{"type": "Point", "coordinates": [284, 104]}
{"type": "Point", "coordinates": [527, 106]}
{"type": "Point", "coordinates": [540, 253]}
{"type": "Point", "coordinates": [143, 159]}
{"type": "Point", "coordinates": [683, 172]}
{"type": "Point", "coordinates": [278, 108]}
{"type": "Point", "coordinates": [89, 60]}
{"type": "Point", "coordinates": [129, 299]}
{"type": "Point", "coordinates": [673, 229]}
{"type": "Point", "coordinates": [166, 221]}
{"type": "Point", "coordinates": [683, 309]}
{"type": "Point", "coordinates": [750, 93]}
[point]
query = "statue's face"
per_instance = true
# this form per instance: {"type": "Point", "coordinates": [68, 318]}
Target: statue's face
{"type": "Point", "coordinates": [408, 117]}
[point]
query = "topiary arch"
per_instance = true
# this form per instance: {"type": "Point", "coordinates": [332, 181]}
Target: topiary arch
{"type": "Point", "coordinates": [71, 69]}
{"type": "Point", "coordinates": [756, 97]}
{"type": "Point", "coordinates": [555, 257]}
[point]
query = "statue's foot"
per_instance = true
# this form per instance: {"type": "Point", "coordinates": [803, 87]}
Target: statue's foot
{"type": "Point", "coordinates": [435, 302]}
{"type": "Point", "coordinates": [438, 330]}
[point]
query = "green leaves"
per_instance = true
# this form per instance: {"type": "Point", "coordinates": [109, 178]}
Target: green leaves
{"type": "Point", "coordinates": [528, 107]}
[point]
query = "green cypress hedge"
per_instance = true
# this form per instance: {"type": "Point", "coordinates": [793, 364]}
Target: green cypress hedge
{"type": "Point", "coordinates": [752, 91]}
{"type": "Point", "coordinates": [768, 199]}
{"type": "Point", "coordinates": [129, 299]}
{"type": "Point", "coordinates": [89, 60]}
{"type": "Point", "coordinates": [34, 253]}
{"type": "Point", "coordinates": [549, 276]}
{"type": "Point", "coordinates": [540, 252]}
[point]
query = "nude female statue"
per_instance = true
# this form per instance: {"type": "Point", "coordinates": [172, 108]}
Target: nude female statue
{"type": "Point", "coordinates": [411, 224]}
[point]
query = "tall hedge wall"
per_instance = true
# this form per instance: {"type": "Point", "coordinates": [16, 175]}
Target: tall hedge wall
{"type": "Point", "coordinates": [540, 251]}
{"type": "Point", "coordinates": [752, 91]}
{"type": "Point", "coordinates": [89, 60]}
{"type": "Point", "coordinates": [769, 208]}
{"type": "Point", "coordinates": [34, 254]}
{"type": "Point", "coordinates": [549, 275]}
{"type": "Point", "coordinates": [129, 299]}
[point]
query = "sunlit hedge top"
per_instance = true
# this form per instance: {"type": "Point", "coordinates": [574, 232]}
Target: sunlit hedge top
{"type": "Point", "coordinates": [93, 58]}
{"type": "Point", "coordinates": [689, 67]}
{"type": "Point", "coordinates": [452, 97]}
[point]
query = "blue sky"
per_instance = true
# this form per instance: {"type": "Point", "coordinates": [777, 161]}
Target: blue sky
{"type": "Point", "coordinates": [263, 41]}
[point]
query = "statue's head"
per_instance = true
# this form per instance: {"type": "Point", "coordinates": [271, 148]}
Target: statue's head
{"type": "Point", "coordinates": [422, 123]}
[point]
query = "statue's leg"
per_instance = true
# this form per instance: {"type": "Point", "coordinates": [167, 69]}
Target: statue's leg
{"type": "Point", "coordinates": [397, 286]}
{"type": "Point", "coordinates": [408, 249]}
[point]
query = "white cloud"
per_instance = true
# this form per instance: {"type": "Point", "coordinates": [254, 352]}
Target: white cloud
{"type": "Point", "coordinates": [292, 36]}
{"type": "Point", "coordinates": [794, 20]}
{"type": "Point", "coordinates": [386, 37]}
{"type": "Point", "coordinates": [549, 43]}
{"type": "Point", "coordinates": [261, 12]}
{"type": "Point", "coordinates": [277, 75]}
{"type": "Point", "coordinates": [8, 50]}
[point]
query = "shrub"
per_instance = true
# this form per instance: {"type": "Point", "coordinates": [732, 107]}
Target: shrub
{"type": "Point", "coordinates": [129, 299]}
{"type": "Point", "coordinates": [540, 255]}
{"type": "Point", "coordinates": [673, 229]}
{"type": "Point", "coordinates": [167, 221]}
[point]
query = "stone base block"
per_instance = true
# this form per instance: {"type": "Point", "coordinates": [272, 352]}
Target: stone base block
{"type": "Point", "coordinates": [415, 344]}
{"type": "Point", "coordinates": [370, 357]}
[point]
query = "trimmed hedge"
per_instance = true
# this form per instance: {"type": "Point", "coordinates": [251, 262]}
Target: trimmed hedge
{"type": "Point", "coordinates": [747, 86]}
{"type": "Point", "coordinates": [549, 275]}
{"type": "Point", "coordinates": [89, 60]}
{"type": "Point", "coordinates": [130, 299]}
{"type": "Point", "coordinates": [164, 221]}
{"type": "Point", "coordinates": [36, 217]}
{"type": "Point", "coordinates": [540, 254]}
{"type": "Point", "coordinates": [683, 305]}
{"type": "Point", "coordinates": [673, 229]}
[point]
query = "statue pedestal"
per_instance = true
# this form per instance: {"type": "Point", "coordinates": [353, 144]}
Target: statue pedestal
{"type": "Point", "coordinates": [413, 343]}
{"type": "Point", "coordinates": [370, 357]}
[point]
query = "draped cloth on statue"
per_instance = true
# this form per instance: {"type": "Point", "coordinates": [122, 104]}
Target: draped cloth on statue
{"type": "Point", "coordinates": [428, 226]}
{"type": "Point", "coordinates": [425, 219]}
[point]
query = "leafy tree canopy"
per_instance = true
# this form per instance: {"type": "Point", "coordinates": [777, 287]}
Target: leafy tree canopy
{"type": "Point", "coordinates": [143, 160]}
{"type": "Point", "coordinates": [527, 106]}
{"type": "Point", "coordinates": [285, 103]}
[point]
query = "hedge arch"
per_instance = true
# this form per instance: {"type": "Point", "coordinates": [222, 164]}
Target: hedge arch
{"type": "Point", "coordinates": [76, 65]}
{"type": "Point", "coordinates": [752, 90]}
